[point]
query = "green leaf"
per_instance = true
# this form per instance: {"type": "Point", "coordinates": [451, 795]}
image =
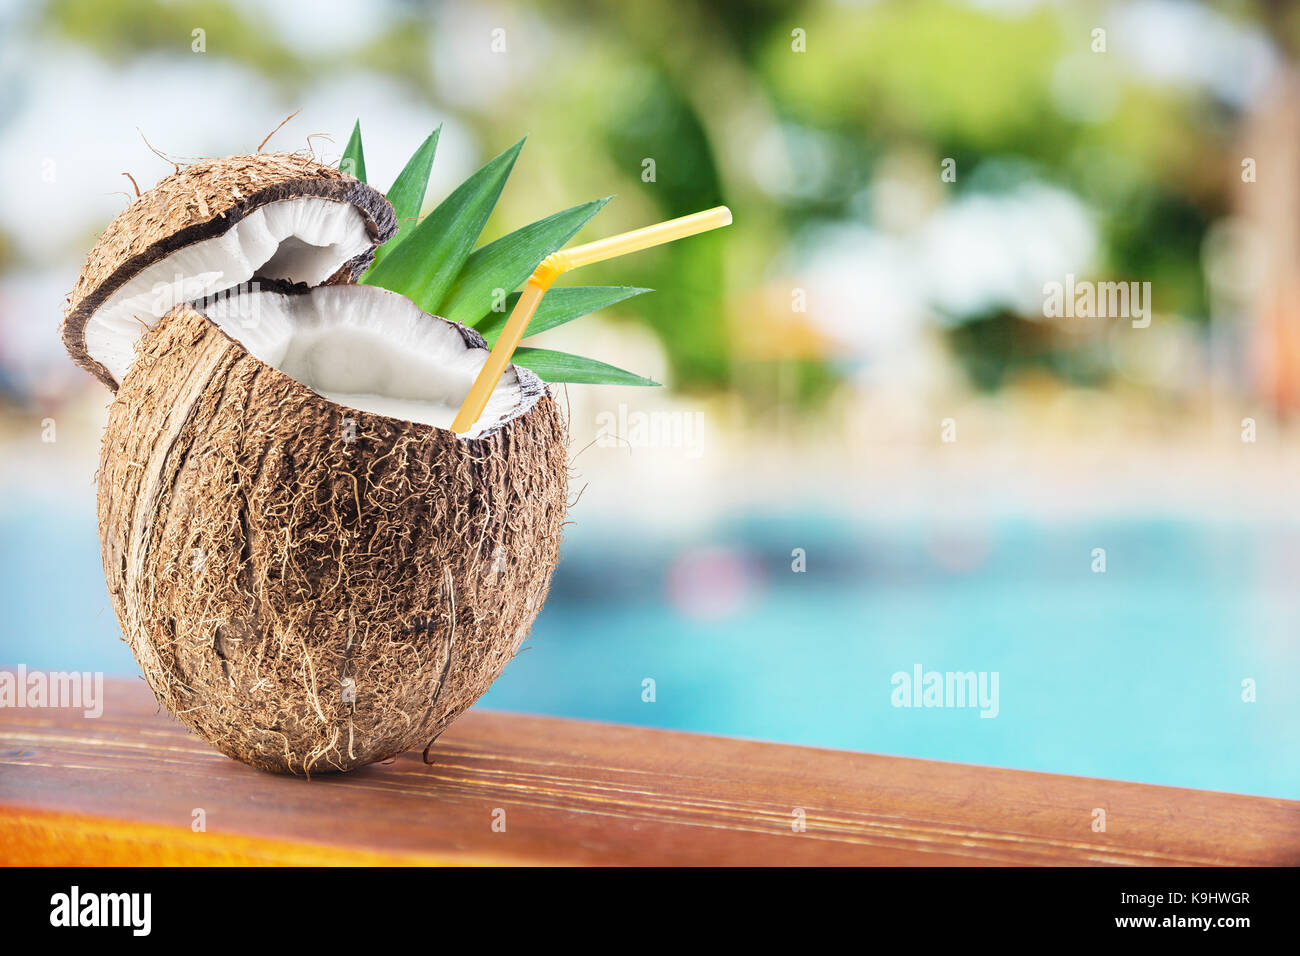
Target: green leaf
{"type": "Point", "coordinates": [557, 307]}
{"type": "Point", "coordinates": [562, 367]}
{"type": "Point", "coordinates": [354, 159]}
{"type": "Point", "coordinates": [507, 262]}
{"type": "Point", "coordinates": [407, 194]}
{"type": "Point", "coordinates": [424, 267]}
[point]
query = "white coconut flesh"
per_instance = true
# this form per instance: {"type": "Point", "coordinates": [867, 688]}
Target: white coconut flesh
{"type": "Point", "coordinates": [302, 240]}
{"type": "Point", "coordinates": [367, 348]}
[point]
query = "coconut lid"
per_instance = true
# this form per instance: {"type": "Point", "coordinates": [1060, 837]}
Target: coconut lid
{"type": "Point", "coordinates": [282, 218]}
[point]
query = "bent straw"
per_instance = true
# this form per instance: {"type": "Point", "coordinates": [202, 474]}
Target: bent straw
{"type": "Point", "coordinates": [551, 268]}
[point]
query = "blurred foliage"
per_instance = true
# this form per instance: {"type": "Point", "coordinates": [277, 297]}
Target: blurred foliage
{"type": "Point", "coordinates": [120, 30]}
{"type": "Point", "coordinates": [688, 308]}
{"type": "Point", "coordinates": [997, 347]}
{"type": "Point", "coordinates": [943, 73]}
{"type": "Point", "coordinates": [671, 80]}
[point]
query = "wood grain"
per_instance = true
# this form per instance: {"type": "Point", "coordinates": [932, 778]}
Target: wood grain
{"type": "Point", "coordinates": [123, 789]}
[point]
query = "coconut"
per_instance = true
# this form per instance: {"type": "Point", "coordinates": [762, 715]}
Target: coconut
{"type": "Point", "coordinates": [312, 571]}
{"type": "Point", "coordinates": [213, 225]}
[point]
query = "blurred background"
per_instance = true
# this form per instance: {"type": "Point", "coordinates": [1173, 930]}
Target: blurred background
{"type": "Point", "coordinates": [874, 449]}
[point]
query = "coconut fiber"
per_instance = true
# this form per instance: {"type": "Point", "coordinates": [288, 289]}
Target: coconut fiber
{"type": "Point", "coordinates": [310, 587]}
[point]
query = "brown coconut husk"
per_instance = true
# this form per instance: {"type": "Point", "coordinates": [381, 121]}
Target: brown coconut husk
{"type": "Point", "coordinates": [257, 558]}
{"type": "Point", "coordinates": [201, 201]}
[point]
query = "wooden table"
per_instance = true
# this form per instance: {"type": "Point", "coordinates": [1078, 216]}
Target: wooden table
{"type": "Point", "coordinates": [127, 787]}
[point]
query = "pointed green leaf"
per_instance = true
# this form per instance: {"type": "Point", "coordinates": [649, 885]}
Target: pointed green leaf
{"type": "Point", "coordinates": [562, 367]}
{"type": "Point", "coordinates": [424, 267]}
{"type": "Point", "coordinates": [507, 262]}
{"type": "Point", "coordinates": [354, 158]}
{"type": "Point", "coordinates": [557, 307]}
{"type": "Point", "coordinates": [407, 194]}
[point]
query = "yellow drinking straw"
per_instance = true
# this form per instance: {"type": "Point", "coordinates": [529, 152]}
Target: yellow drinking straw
{"type": "Point", "coordinates": [552, 267]}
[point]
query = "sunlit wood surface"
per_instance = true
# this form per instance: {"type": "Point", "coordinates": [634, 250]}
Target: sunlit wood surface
{"type": "Point", "coordinates": [125, 789]}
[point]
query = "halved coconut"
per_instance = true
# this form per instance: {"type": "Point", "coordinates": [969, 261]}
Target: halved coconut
{"type": "Point", "coordinates": [312, 572]}
{"type": "Point", "coordinates": [280, 217]}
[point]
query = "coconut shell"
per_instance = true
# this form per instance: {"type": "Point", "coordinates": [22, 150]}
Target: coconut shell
{"type": "Point", "coordinates": [307, 586]}
{"type": "Point", "coordinates": [201, 201]}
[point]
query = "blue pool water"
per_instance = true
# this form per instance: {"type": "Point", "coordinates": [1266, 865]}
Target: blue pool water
{"type": "Point", "coordinates": [1136, 673]}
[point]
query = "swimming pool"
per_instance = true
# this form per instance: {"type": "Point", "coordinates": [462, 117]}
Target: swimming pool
{"type": "Point", "coordinates": [1133, 673]}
